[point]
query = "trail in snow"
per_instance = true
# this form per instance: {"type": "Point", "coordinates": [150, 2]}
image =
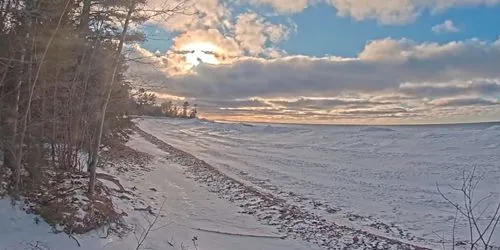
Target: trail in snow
{"type": "Point", "coordinates": [189, 207]}
{"type": "Point", "coordinates": [189, 212]}
{"type": "Point", "coordinates": [373, 184]}
{"type": "Point", "coordinates": [378, 179]}
{"type": "Point", "coordinates": [289, 216]}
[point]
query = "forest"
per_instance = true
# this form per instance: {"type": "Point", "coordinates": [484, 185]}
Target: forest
{"type": "Point", "coordinates": [64, 97]}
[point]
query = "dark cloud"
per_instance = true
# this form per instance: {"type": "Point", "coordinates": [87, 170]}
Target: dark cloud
{"type": "Point", "coordinates": [477, 87]}
{"type": "Point", "coordinates": [465, 101]}
{"type": "Point", "coordinates": [389, 79]}
{"type": "Point", "coordinates": [254, 103]}
{"type": "Point", "coordinates": [376, 111]}
{"type": "Point", "coordinates": [323, 77]}
{"type": "Point", "coordinates": [322, 104]}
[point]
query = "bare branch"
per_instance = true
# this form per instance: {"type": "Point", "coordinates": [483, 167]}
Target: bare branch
{"type": "Point", "coordinates": [477, 231]}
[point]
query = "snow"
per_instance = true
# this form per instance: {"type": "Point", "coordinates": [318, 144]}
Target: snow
{"type": "Point", "coordinates": [378, 179]}
{"type": "Point", "coordinates": [19, 231]}
{"type": "Point", "coordinates": [189, 210]}
{"type": "Point", "coordinates": [189, 207]}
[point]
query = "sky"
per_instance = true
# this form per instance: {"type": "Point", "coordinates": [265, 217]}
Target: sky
{"type": "Point", "coordinates": [327, 61]}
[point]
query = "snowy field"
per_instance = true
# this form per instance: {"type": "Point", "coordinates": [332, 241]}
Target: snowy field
{"type": "Point", "coordinates": [369, 175]}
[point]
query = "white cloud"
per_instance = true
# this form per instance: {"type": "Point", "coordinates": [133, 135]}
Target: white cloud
{"type": "Point", "coordinates": [194, 14]}
{"type": "Point", "coordinates": [389, 79]}
{"type": "Point", "coordinates": [446, 27]}
{"type": "Point", "coordinates": [387, 50]}
{"type": "Point", "coordinates": [399, 11]}
{"type": "Point", "coordinates": [386, 12]}
{"type": "Point", "coordinates": [395, 12]}
{"type": "Point", "coordinates": [393, 79]}
{"type": "Point", "coordinates": [464, 101]}
{"type": "Point", "coordinates": [282, 6]}
{"type": "Point", "coordinates": [479, 87]}
{"type": "Point", "coordinates": [212, 21]}
{"type": "Point", "coordinates": [253, 33]}
{"type": "Point", "coordinates": [307, 76]}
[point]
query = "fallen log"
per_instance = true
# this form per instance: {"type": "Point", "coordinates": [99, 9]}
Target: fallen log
{"type": "Point", "coordinates": [110, 178]}
{"type": "Point", "coordinates": [281, 237]}
{"type": "Point", "coordinates": [148, 209]}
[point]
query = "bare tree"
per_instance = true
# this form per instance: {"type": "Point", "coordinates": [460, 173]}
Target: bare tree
{"type": "Point", "coordinates": [481, 227]}
{"type": "Point", "coordinates": [95, 147]}
{"type": "Point", "coordinates": [132, 8]}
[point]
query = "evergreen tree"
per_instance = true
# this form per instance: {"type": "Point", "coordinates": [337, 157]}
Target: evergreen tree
{"type": "Point", "coordinates": [185, 107]}
{"type": "Point", "coordinates": [63, 91]}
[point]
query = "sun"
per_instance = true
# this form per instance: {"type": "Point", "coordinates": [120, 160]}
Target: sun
{"type": "Point", "coordinates": [201, 52]}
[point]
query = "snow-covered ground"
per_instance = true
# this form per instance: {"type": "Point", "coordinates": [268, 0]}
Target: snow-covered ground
{"type": "Point", "coordinates": [363, 185]}
{"type": "Point", "coordinates": [187, 211]}
{"type": "Point", "coordinates": [370, 176]}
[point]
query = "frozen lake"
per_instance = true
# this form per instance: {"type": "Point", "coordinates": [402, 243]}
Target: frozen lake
{"type": "Point", "coordinates": [386, 174]}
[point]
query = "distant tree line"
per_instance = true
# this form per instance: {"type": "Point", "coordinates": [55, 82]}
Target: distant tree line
{"type": "Point", "coordinates": [146, 103]}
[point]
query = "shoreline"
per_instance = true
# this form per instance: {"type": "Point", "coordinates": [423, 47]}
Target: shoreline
{"type": "Point", "coordinates": [196, 203]}
{"type": "Point", "coordinates": [288, 218]}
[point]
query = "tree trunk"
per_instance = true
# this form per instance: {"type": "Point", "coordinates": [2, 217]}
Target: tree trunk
{"type": "Point", "coordinates": [95, 149]}
{"type": "Point", "coordinates": [16, 147]}
{"type": "Point", "coordinates": [84, 18]}
{"type": "Point", "coordinates": [3, 138]}
{"type": "Point", "coordinates": [30, 98]}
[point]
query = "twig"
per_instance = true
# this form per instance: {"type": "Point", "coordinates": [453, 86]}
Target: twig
{"type": "Point", "coordinates": [145, 233]}
{"type": "Point", "coordinates": [35, 246]}
{"type": "Point", "coordinates": [148, 209]}
{"type": "Point", "coordinates": [74, 238]}
{"type": "Point", "coordinates": [480, 235]}
{"type": "Point", "coordinates": [194, 240]}
{"type": "Point", "coordinates": [171, 242]}
{"type": "Point", "coordinates": [454, 229]}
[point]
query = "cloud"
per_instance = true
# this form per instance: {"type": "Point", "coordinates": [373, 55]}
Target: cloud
{"type": "Point", "coordinates": [228, 45]}
{"type": "Point", "coordinates": [464, 101]}
{"type": "Point", "coordinates": [253, 33]}
{"type": "Point", "coordinates": [396, 79]}
{"type": "Point", "coordinates": [282, 6]}
{"type": "Point", "coordinates": [398, 12]}
{"type": "Point", "coordinates": [253, 37]}
{"type": "Point", "coordinates": [327, 103]}
{"type": "Point", "coordinates": [374, 112]}
{"type": "Point", "coordinates": [233, 104]}
{"type": "Point", "coordinates": [446, 27]}
{"type": "Point", "coordinates": [395, 12]}
{"type": "Point", "coordinates": [386, 12]}
{"type": "Point", "coordinates": [383, 64]}
{"type": "Point", "coordinates": [145, 65]}
{"type": "Point", "coordinates": [212, 23]}
{"type": "Point", "coordinates": [482, 87]}
{"type": "Point", "coordinates": [218, 13]}
{"type": "Point", "coordinates": [387, 50]}
{"type": "Point", "coordinates": [389, 79]}
{"type": "Point", "coordinates": [194, 14]}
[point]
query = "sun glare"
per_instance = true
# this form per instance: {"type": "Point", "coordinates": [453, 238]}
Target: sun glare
{"type": "Point", "coordinates": [201, 52]}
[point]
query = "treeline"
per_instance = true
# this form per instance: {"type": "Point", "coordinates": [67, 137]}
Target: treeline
{"type": "Point", "coordinates": [146, 103]}
{"type": "Point", "coordinates": [63, 90]}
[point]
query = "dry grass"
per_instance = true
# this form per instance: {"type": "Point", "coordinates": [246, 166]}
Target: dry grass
{"type": "Point", "coordinates": [68, 206]}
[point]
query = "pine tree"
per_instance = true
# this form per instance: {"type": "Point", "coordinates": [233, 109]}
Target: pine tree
{"type": "Point", "coordinates": [185, 107]}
